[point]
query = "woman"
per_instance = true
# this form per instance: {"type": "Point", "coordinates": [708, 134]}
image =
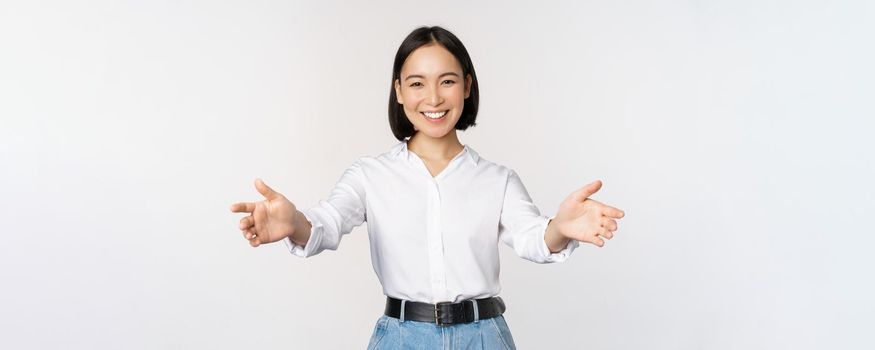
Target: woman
{"type": "Point", "coordinates": [435, 210]}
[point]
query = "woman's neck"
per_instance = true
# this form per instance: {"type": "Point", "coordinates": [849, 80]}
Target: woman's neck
{"type": "Point", "coordinates": [444, 148]}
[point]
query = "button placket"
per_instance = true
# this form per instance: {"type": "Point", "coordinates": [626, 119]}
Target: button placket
{"type": "Point", "coordinates": [435, 243]}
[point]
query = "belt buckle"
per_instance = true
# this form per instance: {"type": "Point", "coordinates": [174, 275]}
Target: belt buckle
{"type": "Point", "coordinates": [437, 314]}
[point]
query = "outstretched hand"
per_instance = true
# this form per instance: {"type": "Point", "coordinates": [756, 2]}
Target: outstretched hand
{"type": "Point", "coordinates": [269, 220]}
{"type": "Point", "coordinates": [583, 219]}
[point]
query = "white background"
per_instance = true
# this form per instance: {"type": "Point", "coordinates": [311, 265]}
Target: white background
{"type": "Point", "coordinates": [735, 135]}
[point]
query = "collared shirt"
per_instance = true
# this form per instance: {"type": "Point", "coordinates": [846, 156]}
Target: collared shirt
{"type": "Point", "coordinates": [432, 239]}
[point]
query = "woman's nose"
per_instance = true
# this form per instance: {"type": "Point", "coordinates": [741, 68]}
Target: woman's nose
{"type": "Point", "coordinates": [434, 98]}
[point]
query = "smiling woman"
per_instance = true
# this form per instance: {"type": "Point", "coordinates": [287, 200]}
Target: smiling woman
{"type": "Point", "coordinates": [436, 211]}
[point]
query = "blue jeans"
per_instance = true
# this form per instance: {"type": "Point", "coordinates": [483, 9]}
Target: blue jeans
{"type": "Point", "coordinates": [390, 333]}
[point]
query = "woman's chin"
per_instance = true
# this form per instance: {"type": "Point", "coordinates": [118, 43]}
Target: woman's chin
{"type": "Point", "coordinates": [433, 133]}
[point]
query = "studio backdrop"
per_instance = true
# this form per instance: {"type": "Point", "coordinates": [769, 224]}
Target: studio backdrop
{"type": "Point", "coordinates": [736, 135]}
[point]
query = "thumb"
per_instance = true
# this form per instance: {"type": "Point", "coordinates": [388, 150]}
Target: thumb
{"type": "Point", "coordinates": [265, 191]}
{"type": "Point", "coordinates": [588, 190]}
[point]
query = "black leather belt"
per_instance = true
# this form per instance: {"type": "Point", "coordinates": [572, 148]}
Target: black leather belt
{"type": "Point", "coordinates": [446, 313]}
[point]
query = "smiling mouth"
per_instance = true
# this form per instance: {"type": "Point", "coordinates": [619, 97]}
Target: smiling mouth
{"type": "Point", "coordinates": [435, 115]}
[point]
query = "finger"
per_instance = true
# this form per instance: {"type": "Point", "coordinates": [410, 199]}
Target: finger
{"type": "Point", "coordinates": [265, 191]}
{"type": "Point", "coordinates": [584, 192]}
{"type": "Point", "coordinates": [613, 212]}
{"type": "Point", "coordinates": [243, 207]}
{"type": "Point", "coordinates": [247, 234]}
{"type": "Point", "coordinates": [246, 222]}
{"type": "Point", "coordinates": [598, 241]}
{"type": "Point", "coordinates": [606, 234]}
{"type": "Point", "coordinates": [609, 224]}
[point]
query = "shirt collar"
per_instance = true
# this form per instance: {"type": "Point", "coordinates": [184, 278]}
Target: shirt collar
{"type": "Point", "coordinates": [400, 150]}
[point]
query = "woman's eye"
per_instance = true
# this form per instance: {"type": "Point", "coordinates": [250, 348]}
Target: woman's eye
{"type": "Point", "coordinates": [416, 84]}
{"type": "Point", "coordinates": [448, 82]}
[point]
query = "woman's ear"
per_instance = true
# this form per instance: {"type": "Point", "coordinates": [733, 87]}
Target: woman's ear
{"type": "Point", "coordinates": [398, 91]}
{"type": "Point", "coordinates": [468, 81]}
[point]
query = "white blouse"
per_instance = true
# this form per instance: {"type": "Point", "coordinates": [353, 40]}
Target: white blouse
{"type": "Point", "coordinates": [432, 239]}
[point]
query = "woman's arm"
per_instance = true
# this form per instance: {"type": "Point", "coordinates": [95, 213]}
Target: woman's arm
{"type": "Point", "coordinates": [522, 227]}
{"type": "Point", "coordinates": [301, 233]}
{"type": "Point", "coordinates": [556, 242]}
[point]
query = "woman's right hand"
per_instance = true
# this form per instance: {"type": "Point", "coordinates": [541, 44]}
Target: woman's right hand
{"type": "Point", "coordinates": [270, 220]}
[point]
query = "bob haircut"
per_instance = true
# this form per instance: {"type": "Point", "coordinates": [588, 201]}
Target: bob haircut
{"type": "Point", "coordinates": [422, 36]}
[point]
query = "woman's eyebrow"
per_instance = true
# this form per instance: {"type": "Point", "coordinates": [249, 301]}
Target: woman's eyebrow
{"type": "Point", "coordinates": [422, 77]}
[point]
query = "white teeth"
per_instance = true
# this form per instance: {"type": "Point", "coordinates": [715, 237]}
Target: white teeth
{"type": "Point", "coordinates": [434, 115]}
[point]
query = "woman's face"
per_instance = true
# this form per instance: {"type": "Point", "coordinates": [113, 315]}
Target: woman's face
{"type": "Point", "coordinates": [432, 90]}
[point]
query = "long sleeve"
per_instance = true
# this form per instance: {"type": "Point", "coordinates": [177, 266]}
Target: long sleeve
{"type": "Point", "coordinates": [522, 227]}
{"type": "Point", "coordinates": [336, 216]}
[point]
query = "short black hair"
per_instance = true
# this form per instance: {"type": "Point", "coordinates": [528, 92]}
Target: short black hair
{"type": "Point", "coordinates": [401, 127]}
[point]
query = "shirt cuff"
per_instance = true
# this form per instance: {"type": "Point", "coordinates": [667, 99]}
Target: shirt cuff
{"type": "Point", "coordinates": [309, 249]}
{"type": "Point", "coordinates": [559, 256]}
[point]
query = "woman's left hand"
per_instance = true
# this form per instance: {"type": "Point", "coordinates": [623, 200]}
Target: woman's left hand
{"type": "Point", "coordinates": [583, 219]}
